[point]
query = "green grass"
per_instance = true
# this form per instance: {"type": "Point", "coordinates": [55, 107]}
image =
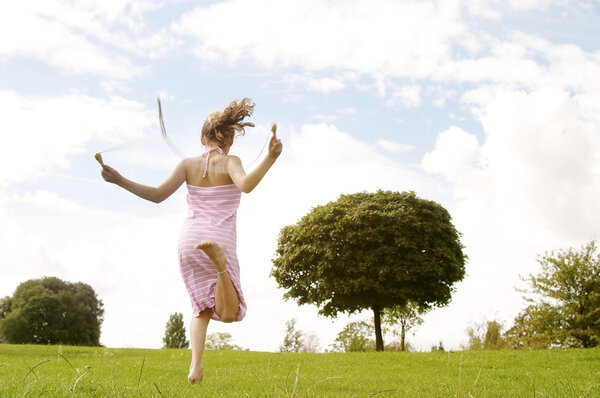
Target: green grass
{"type": "Point", "coordinates": [52, 371]}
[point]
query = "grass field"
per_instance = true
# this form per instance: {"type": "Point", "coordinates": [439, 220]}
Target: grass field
{"type": "Point", "coordinates": [52, 371]}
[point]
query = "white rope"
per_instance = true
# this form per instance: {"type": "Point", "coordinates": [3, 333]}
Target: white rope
{"type": "Point", "coordinates": [164, 131]}
{"type": "Point", "coordinates": [273, 130]}
{"type": "Point", "coordinates": [172, 146]}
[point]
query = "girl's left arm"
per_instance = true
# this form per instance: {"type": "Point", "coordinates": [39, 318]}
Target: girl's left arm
{"type": "Point", "coordinates": [153, 194]}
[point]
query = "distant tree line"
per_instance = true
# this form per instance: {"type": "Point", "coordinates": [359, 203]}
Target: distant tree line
{"type": "Point", "coordinates": [221, 341]}
{"type": "Point", "coordinates": [175, 336]}
{"type": "Point", "coordinates": [563, 312]}
{"type": "Point", "coordinates": [296, 340]}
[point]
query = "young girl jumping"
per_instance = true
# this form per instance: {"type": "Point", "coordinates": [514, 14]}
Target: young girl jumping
{"type": "Point", "coordinates": [207, 243]}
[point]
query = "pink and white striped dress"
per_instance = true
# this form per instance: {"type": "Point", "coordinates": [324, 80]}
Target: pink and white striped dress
{"type": "Point", "coordinates": [211, 216]}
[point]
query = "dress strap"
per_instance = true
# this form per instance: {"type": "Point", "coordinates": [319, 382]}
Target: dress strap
{"type": "Point", "coordinates": [207, 153]}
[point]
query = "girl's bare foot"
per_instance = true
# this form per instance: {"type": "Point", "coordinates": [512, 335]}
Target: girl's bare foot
{"type": "Point", "coordinates": [215, 252]}
{"type": "Point", "coordinates": [196, 374]}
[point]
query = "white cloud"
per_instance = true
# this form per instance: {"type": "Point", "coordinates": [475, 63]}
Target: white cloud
{"type": "Point", "coordinates": [322, 84]}
{"type": "Point", "coordinates": [326, 84]}
{"type": "Point", "coordinates": [348, 111]}
{"type": "Point", "coordinates": [113, 86]}
{"type": "Point", "coordinates": [394, 146]}
{"type": "Point", "coordinates": [489, 8]}
{"type": "Point", "coordinates": [41, 37]}
{"type": "Point", "coordinates": [80, 37]}
{"type": "Point", "coordinates": [541, 147]}
{"type": "Point", "coordinates": [527, 61]}
{"type": "Point", "coordinates": [353, 165]}
{"type": "Point", "coordinates": [386, 40]}
{"type": "Point", "coordinates": [325, 118]}
{"type": "Point", "coordinates": [529, 4]}
{"type": "Point", "coordinates": [529, 187]}
{"type": "Point", "coordinates": [41, 133]}
{"type": "Point", "coordinates": [442, 94]}
{"type": "Point", "coordinates": [456, 152]}
{"type": "Point", "coordinates": [409, 96]}
{"type": "Point", "coordinates": [393, 38]}
{"type": "Point", "coordinates": [483, 8]}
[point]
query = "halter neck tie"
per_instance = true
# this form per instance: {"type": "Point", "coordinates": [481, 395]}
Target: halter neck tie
{"type": "Point", "coordinates": [207, 153]}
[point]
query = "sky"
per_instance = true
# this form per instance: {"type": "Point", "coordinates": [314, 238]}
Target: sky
{"type": "Point", "coordinates": [489, 107]}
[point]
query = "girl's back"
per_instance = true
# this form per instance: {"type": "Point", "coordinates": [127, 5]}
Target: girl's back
{"type": "Point", "coordinates": [216, 172]}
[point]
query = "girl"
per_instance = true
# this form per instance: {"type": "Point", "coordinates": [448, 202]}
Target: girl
{"type": "Point", "coordinates": [207, 243]}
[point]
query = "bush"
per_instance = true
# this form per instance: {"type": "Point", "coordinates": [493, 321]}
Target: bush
{"type": "Point", "coordinates": [355, 338]}
{"type": "Point", "coordinates": [485, 336]}
{"type": "Point", "coordinates": [175, 335]}
{"type": "Point", "coordinates": [52, 311]}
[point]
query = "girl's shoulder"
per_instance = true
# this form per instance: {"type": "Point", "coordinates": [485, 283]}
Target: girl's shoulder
{"type": "Point", "coordinates": [233, 160]}
{"type": "Point", "coordinates": [186, 162]}
{"type": "Point", "coordinates": [192, 163]}
{"type": "Point", "coordinates": [191, 159]}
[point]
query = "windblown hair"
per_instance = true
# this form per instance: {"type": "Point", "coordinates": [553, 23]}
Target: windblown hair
{"type": "Point", "coordinates": [220, 126]}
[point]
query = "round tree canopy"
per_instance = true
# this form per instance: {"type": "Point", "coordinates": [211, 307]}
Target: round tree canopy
{"type": "Point", "coordinates": [51, 311]}
{"type": "Point", "coordinates": [369, 250]}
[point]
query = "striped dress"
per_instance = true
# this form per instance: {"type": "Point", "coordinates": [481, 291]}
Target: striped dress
{"type": "Point", "coordinates": [211, 216]}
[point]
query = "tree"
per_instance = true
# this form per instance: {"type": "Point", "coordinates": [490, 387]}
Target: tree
{"type": "Point", "coordinates": [535, 327]}
{"type": "Point", "coordinates": [220, 341]}
{"type": "Point", "coordinates": [52, 311]}
{"type": "Point", "coordinates": [355, 337]}
{"type": "Point", "coordinates": [396, 346]}
{"type": "Point", "coordinates": [567, 310]}
{"type": "Point", "coordinates": [475, 339]}
{"type": "Point", "coordinates": [493, 336]}
{"type": "Point", "coordinates": [175, 335]}
{"type": "Point", "coordinates": [438, 348]}
{"type": "Point", "coordinates": [292, 341]}
{"type": "Point", "coordinates": [485, 336]}
{"type": "Point", "coordinates": [370, 250]}
{"type": "Point", "coordinates": [5, 304]}
{"type": "Point", "coordinates": [310, 342]}
{"type": "Point", "coordinates": [407, 316]}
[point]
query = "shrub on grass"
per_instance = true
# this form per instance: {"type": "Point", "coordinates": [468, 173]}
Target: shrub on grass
{"type": "Point", "coordinates": [175, 335]}
{"type": "Point", "coordinates": [51, 311]}
{"type": "Point", "coordinates": [355, 338]}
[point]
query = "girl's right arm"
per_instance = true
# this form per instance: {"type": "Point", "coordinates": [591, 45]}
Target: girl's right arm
{"type": "Point", "coordinates": [247, 182]}
{"type": "Point", "coordinates": [153, 194]}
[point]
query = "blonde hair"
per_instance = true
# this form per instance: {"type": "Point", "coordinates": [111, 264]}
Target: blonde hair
{"type": "Point", "coordinates": [220, 126]}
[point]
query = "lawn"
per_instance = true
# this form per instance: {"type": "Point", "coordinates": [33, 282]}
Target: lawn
{"type": "Point", "coordinates": [53, 371]}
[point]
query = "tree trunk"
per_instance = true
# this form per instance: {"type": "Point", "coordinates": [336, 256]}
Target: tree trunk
{"type": "Point", "coordinates": [402, 335]}
{"type": "Point", "coordinates": [378, 335]}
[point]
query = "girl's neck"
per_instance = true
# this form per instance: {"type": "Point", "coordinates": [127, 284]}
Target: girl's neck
{"type": "Point", "coordinates": [225, 149]}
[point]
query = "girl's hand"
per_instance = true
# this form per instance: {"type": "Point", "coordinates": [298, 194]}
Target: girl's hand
{"type": "Point", "coordinates": [110, 175]}
{"type": "Point", "coordinates": [275, 147]}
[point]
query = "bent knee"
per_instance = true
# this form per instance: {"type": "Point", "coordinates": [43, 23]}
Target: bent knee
{"type": "Point", "coordinates": [228, 317]}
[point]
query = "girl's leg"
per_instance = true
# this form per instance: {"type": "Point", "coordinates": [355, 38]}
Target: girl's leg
{"type": "Point", "coordinates": [227, 302]}
{"type": "Point", "coordinates": [198, 328]}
